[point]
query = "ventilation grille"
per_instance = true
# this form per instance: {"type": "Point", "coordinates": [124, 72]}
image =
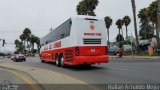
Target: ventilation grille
{"type": "Point", "coordinates": [69, 55]}
{"type": "Point", "coordinates": [92, 41]}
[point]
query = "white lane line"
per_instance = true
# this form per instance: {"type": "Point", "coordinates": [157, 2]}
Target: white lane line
{"type": "Point", "coordinates": [124, 69]}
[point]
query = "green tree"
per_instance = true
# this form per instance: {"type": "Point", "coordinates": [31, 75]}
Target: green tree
{"type": "Point", "coordinates": [119, 24]}
{"type": "Point", "coordinates": [87, 7]}
{"type": "Point", "coordinates": [146, 30]}
{"type": "Point", "coordinates": [35, 39]}
{"type": "Point", "coordinates": [135, 22]}
{"type": "Point", "coordinates": [19, 45]}
{"type": "Point", "coordinates": [23, 38]}
{"type": "Point", "coordinates": [127, 21]}
{"type": "Point", "coordinates": [119, 38]}
{"type": "Point", "coordinates": [152, 11]}
{"type": "Point", "coordinates": [38, 43]}
{"type": "Point", "coordinates": [108, 22]}
{"type": "Point", "coordinates": [27, 33]}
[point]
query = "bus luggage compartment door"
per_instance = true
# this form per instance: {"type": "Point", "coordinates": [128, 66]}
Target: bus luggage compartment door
{"type": "Point", "coordinates": [91, 50]}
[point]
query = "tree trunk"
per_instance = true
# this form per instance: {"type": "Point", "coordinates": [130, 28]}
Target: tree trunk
{"type": "Point", "coordinates": [145, 34]}
{"type": "Point", "coordinates": [119, 36]}
{"type": "Point", "coordinates": [157, 35]}
{"type": "Point", "coordinates": [108, 38]}
{"type": "Point", "coordinates": [135, 23]}
{"type": "Point", "coordinates": [126, 33]}
{"type": "Point", "coordinates": [122, 31]}
{"type": "Point", "coordinates": [158, 24]}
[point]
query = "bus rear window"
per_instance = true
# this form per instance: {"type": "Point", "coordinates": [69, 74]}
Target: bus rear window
{"type": "Point", "coordinates": [91, 19]}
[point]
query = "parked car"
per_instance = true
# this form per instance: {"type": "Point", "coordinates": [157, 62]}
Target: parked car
{"type": "Point", "coordinates": [113, 49]}
{"type": "Point", "coordinates": [1, 57]}
{"type": "Point", "coordinates": [13, 57]}
{"type": "Point", "coordinates": [128, 48]}
{"type": "Point", "coordinates": [19, 57]}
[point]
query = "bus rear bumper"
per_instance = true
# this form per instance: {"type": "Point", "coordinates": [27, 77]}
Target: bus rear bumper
{"type": "Point", "coordinates": [78, 60]}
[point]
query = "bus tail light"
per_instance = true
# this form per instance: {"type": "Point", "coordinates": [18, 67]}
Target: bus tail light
{"type": "Point", "coordinates": [77, 51]}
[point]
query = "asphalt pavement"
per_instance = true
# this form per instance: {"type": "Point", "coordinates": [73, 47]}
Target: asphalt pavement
{"type": "Point", "coordinates": [14, 80]}
{"type": "Point", "coordinates": [117, 71]}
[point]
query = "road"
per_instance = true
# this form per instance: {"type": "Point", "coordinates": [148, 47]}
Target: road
{"type": "Point", "coordinates": [139, 71]}
{"type": "Point", "coordinates": [15, 80]}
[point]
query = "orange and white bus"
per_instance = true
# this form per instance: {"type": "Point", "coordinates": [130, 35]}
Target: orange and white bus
{"type": "Point", "coordinates": [80, 40]}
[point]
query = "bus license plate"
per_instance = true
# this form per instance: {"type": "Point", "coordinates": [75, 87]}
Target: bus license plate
{"type": "Point", "coordinates": [93, 50]}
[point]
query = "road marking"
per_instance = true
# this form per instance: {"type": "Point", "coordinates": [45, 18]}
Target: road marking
{"type": "Point", "coordinates": [78, 81]}
{"type": "Point", "coordinates": [24, 78]}
{"type": "Point", "coordinates": [123, 69]}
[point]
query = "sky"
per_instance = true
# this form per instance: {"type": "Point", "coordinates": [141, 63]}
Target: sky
{"type": "Point", "coordinates": [41, 15]}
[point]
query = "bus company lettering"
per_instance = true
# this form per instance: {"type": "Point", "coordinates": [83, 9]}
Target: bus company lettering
{"type": "Point", "coordinates": [50, 46]}
{"type": "Point", "coordinates": [46, 47]}
{"type": "Point", "coordinates": [57, 44]}
{"type": "Point", "coordinates": [92, 34]}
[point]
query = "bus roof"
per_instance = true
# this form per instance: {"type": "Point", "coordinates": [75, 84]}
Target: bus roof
{"type": "Point", "coordinates": [86, 17]}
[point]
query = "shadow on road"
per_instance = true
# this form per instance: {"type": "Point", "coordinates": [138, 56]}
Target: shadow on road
{"type": "Point", "coordinates": [80, 67]}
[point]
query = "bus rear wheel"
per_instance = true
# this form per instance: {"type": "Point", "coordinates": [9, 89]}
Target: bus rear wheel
{"type": "Point", "coordinates": [58, 61]}
{"type": "Point", "coordinates": [42, 61]}
{"type": "Point", "coordinates": [62, 62]}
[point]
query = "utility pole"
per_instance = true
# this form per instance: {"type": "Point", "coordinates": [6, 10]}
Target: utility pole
{"type": "Point", "coordinates": [135, 23]}
{"type": "Point", "coordinates": [158, 16]}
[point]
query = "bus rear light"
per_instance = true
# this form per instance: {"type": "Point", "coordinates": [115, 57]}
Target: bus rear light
{"type": "Point", "coordinates": [77, 51]}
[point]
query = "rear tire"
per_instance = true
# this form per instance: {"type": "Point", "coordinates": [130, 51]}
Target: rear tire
{"type": "Point", "coordinates": [15, 60]}
{"type": "Point", "coordinates": [62, 62]}
{"type": "Point", "coordinates": [42, 61]}
{"type": "Point", "coordinates": [58, 63]}
{"type": "Point", "coordinates": [87, 65]}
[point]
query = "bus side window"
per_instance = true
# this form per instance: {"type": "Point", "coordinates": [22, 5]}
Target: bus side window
{"type": "Point", "coordinates": [62, 36]}
{"type": "Point", "coordinates": [47, 42]}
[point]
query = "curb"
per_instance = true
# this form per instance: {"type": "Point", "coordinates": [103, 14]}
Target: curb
{"type": "Point", "coordinates": [42, 87]}
{"type": "Point", "coordinates": [36, 81]}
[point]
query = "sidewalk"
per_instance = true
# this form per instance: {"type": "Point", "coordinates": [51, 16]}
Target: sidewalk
{"type": "Point", "coordinates": [138, 57]}
{"type": "Point", "coordinates": [49, 79]}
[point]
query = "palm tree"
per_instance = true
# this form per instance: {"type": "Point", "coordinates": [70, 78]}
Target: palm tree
{"type": "Point", "coordinates": [16, 42]}
{"type": "Point", "coordinates": [81, 9]}
{"type": "Point", "coordinates": [87, 7]}
{"type": "Point", "coordinates": [135, 22]}
{"type": "Point", "coordinates": [22, 37]}
{"type": "Point", "coordinates": [27, 33]}
{"type": "Point", "coordinates": [127, 21]}
{"type": "Point", "coordinates": [119, 24]}
{"type": "Point", "coordinates": [33, 40]}
{"type": "Point", "coordinates": [108, 22]}
{"type": "Point", "coordinates": [18, 45]}
{"type": "Point", "coordinates": [152, 11]}
{"type": "Point", "coordinates": [38, 43]}
{"type": "Point", "coordinates": [145, 23]}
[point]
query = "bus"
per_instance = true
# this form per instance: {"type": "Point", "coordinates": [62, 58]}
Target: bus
{"type": "Point", "coordinates": [81, 40]}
